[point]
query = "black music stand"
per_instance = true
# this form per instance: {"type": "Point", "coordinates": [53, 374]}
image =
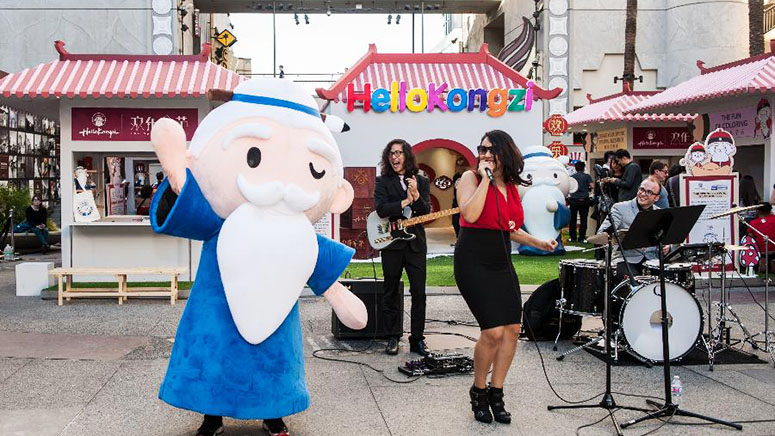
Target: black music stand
{"type": "Point", "coordinates": [660, 227]}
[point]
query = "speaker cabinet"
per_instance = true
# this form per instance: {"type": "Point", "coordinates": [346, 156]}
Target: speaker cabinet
{"type": "Point", "coordinates": [370, 292]}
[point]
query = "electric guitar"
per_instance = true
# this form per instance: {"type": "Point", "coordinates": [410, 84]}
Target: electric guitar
{"type": "Point", "coordinates": [382, 232]}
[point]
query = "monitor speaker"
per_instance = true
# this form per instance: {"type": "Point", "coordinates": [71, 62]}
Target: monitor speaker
{"type": "Point", "coordinates": [370, 291]}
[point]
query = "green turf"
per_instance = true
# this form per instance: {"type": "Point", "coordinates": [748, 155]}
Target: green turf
{"type": "Point", "coordinates": [181, 285]}
{"type": "Point", "coordinates": [532, 270]}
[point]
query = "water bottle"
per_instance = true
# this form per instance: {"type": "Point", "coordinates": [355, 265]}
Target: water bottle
{"type": "Point", "coordinates": [8, 252]}
{"type": "Point", "coordinates": [676, 390]}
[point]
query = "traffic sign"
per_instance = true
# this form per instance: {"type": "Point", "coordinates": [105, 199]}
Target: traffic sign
{"type": "Point", "coordinates": [226, 38]}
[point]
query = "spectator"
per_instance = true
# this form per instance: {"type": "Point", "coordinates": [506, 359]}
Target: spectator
{"type": "Point", "coordinates": [673, 185]}
{"type": "Point", "coordinates": [749, 195]}
{"type": "Point", "coordinates": [579, 202]}
{"type": "Point", "coordinates": [159, 179]}
{"type": "Point", "coordinates": [658, 173]}
{"type": "Point", "coordinates": [36, 215]}
{"type": "Point", "coordinates": [764, 223]}
{"type": "Point", "coordinates": [631, 177]}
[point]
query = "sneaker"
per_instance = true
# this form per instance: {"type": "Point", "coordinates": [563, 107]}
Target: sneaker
{"type": "Point", "coordinates": [275, 427]}
{"type": "Point", "coordinates": [419, 347]}
{"type": "Point", "coordinates": [392, 347]}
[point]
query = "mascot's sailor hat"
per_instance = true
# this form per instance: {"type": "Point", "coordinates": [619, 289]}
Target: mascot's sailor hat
{"type": "Point", "coordinates": [540, 156]}
{"type": "Point", "coordinates": [277, 99]}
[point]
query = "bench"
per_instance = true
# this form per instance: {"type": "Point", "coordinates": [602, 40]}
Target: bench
{"type": "Point", "coordinates": [122, 290]}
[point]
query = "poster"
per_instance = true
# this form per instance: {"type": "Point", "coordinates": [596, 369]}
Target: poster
{"type": "Point", "coordinates": [738, 122]}
{"type": "Point", "coordinates": [325, 226]}
{"type": "Point", "coordinates": [718, 194]}
{"type": "Point", "coordinates": [116, 200]}
{"type": "Point", "coordinates": [611, 140]}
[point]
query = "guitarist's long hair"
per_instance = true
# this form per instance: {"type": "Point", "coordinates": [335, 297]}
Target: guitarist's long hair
{"type": "Point", "coordinates": [509, 157]}
{"type": "Point", "coordinates": [410, 162]}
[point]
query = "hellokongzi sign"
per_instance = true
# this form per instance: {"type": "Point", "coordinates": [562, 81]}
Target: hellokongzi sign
{"type": "Point", "coordinates": [126, 124]}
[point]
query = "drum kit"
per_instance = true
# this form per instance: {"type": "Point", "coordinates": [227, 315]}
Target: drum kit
{"type": "Point", "coordinates": [635, 304]}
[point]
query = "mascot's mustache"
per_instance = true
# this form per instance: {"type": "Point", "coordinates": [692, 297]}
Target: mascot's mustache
{"type": "Point", "coordinates": [551, 181]}
{"type": "Point", "coordinates": [269, 194]}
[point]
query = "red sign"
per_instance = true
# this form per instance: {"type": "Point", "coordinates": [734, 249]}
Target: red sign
{"type": "Point", "coordinates": [556, 125]}
{"type": "Point", "coordinates": [126, 124]}
{"type": "Point", "coordinates": [558, 149]}
{"type": "Point", "coordinates": [661, 137]}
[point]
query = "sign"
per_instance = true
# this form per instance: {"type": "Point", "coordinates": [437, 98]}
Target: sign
{"type": "Point", "coordinates": [126, 124]}
{"type": "Point", "coordinates": [399, 98]}
{"type": "Point", "coordinates": [116, 200]}
{"type": "Point", "coordinates": [558, 149]}
{"type": "Point", "coordinates": [714, 157]}
{"type": "Point", "coordinates": [718, 194]}
{"type": "Point", "coordinates": [226, 38]}
{"type": "Point", "coordinates": [556, 125]}
{"type": "Point", "coordinates": [325, 226]}
{"type": "Point", "coordinates": [738, 122]}
{"type": "Point", "coordinates": [651, 138]}
{"type": "Point", "coordinates": [611, 140]}
{"type": "Point", "coordinates": [4, 166]}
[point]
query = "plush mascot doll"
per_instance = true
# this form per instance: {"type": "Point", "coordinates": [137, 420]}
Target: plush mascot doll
{"type": "Point", "coordinates": [544, 200]}
{"type": "Point", "coordinates": [260, 169]}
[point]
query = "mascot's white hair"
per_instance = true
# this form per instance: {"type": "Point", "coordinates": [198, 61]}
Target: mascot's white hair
{"type": "Point", "coordinates": [286, 99]}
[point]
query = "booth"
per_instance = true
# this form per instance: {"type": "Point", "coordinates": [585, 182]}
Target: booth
{"type": "Point", "coordinates": [105, 106]}
{"type": "Point", "coordinates": [442, 104]}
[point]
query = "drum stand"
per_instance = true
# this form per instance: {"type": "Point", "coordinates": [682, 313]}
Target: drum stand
{"type": "Point", "coordinates": [607, 402]}
{"type": "Point", "coordinates": [769, 335]}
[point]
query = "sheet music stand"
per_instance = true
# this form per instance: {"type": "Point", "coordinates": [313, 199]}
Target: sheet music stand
{"type": "Point", "coordinates": [660, 227]}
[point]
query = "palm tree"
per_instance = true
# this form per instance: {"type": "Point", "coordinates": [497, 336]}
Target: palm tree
{"type": "Point", "coordinates": [630, 30]}
{"type": "Point", "coordinates": [755, 27]}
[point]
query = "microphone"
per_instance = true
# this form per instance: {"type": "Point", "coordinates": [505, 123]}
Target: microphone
{"type": "Point", "coordinates": [489, 175]}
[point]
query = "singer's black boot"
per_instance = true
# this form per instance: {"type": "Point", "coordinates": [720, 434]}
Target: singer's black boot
{"type": "Point", "coordinates": [495, 396]}
{"type": "Point", "coordinates": [480, 404]}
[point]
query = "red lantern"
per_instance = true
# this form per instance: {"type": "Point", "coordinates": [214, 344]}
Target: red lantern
{"type": "Point", "coordinates": [558, 149]}
{"type": "Point", "coordinates": [556, 125]}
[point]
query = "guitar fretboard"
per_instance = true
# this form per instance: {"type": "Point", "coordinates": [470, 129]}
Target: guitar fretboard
{"type": "Point", "coordinates": [429, 217]}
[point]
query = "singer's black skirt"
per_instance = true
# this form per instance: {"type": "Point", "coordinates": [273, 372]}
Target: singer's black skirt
{"type": "Point", "coordinates": [486, 277]}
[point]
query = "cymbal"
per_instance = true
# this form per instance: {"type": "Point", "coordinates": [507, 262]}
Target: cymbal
{"type": "Point", "coordinates": [735, 210]}
{"type": "Point", "coordinates": [730, 247]}
{"type": "Point", "coordinates": [602, 238]}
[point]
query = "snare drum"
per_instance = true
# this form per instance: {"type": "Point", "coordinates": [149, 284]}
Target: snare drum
{"type": "Point", "coordinates": [679, 272]}
{"type": "Point", "coordinates": [582, 283]}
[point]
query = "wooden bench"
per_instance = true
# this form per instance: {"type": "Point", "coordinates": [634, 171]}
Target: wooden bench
{"type": "Point", "coordinates": [122, 290]}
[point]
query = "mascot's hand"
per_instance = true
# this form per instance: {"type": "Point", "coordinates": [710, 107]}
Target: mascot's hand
{"type": "Point", "coordinates": [348, 308]}
{"type": "Point", "coordinates": [169, 143]}
{"type": "Point", "coordinates": [551, 206]}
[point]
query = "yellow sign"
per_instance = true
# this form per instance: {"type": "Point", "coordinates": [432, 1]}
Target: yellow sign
{"type": "Point", "coordinates": [226, 38]}
{"type": "Point", "coordinates": [611, 140]}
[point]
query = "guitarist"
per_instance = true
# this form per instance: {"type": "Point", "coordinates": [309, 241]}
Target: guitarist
{"type": "Point", "coordinates": [398, 187]}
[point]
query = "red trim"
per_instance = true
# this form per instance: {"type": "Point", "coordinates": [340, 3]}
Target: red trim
{"type": "Point", "coordinates": [733, 190]}
{"type": "Point", "coordinates": [483, 56]}
{"type": "Point", "coordinates": [620, 94]}
{"type": "Point", "coordinates": [748, 60]}
{"type": "Point", "coordinates": [65, 55]}
{"type": "Point", "coordinates": [449, 145]}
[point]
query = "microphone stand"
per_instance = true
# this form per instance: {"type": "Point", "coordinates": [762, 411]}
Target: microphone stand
{"type": "Point", "coordinates": [607, 402]}
{"type": "Point", "coordinates": [769, 346]}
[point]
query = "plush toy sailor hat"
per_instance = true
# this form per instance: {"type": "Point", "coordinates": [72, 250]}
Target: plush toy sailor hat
{"type": "Point", "coordinates": [538, 155]}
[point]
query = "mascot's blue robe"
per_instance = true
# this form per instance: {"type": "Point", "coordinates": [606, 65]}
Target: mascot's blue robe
{"type": "Point", "coordinates": [212, 369]}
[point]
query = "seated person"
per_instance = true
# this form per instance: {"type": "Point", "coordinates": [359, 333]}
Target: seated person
{"type": "Point", "coordinates": [764, 223]}
{"type": "Point", "coordinates": [37, 215]}
{"type": "Point", "coordinates": [623, 214]}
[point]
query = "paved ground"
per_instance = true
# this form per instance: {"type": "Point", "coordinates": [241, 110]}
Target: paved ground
{"type": "Point", "coordinates": [92, 367]}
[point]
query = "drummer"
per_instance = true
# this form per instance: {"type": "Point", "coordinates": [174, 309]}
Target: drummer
{"type": "Point", "coordinates": [623, 214]}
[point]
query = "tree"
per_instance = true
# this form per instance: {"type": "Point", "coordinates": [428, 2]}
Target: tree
{"type": "Point", "coordinates": [630, 31]}
{"type": "Point", "coordinates": [755, 27]}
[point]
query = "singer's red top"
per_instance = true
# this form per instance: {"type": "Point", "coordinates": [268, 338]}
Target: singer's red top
{"type": "Point", "coordinates": [510, 210]}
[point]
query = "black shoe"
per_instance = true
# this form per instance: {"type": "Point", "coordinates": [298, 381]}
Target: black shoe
{"type": "Point", "coordinates": [495, 396]}
{"type": "Point", "coordinates": [45, 249]}
{"type": "Point", "coordinates": [392, 346]}
{"type": "Point", "coordinates": [211, 426]}
{"type": "Point", "coordinates": [480, 404]}
{"type": "Point", "coordinates": [419, 347]}
{"type": "Point", "coordinates": [275, 427]}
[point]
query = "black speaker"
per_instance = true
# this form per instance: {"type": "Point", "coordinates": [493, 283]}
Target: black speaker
{"type": "Point", "coordinates": [370, 292]}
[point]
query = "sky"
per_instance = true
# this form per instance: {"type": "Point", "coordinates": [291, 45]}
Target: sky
{"type": "Point", "coordinates": [329, 44]}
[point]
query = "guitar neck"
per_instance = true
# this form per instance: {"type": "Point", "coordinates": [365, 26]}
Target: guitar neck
{"type": "Point", "coordinates": [429, 217]}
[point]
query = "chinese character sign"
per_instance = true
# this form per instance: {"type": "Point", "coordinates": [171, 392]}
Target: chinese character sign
{"type": "Point", "coordinates": [127, 124]}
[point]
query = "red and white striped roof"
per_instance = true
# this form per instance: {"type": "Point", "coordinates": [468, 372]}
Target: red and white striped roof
{"type": "Point", "coordinates": [76, 75]}
{"type": "Point", "coordinates": [754, 75]}
{"type": "Point", "coordinates": [613, 108]}
{"type": "Point", "coordinates": [458, 70]}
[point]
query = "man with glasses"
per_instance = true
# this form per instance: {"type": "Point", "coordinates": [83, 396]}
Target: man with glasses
{"type": "Point", "coordinates": [623, 214]}
{"type": "Point", "coordinates": [631, 176]}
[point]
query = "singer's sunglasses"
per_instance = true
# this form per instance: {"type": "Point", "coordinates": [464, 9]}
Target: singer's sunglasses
{"type": "Point", "coordinates": [483, 149]}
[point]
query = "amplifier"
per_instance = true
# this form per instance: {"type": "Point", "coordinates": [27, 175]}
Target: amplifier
{"type": "Point", "coordinates": [370, 292]}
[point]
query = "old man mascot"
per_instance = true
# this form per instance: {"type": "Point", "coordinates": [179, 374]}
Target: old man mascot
{"type": "Point", "coordinates": [544, 200]}
{"type": "Point", "coordinates": [260, 169]}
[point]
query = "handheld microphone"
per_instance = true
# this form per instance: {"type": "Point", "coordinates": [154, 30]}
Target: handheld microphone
{"type": "Point", "coordinates": [489, 175]}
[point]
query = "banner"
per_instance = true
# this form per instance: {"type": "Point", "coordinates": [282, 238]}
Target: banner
{"type": "Point", "coordinates": [650, 138]}
{"type": "Point", "coordinates": [611, 140]}
{"type": "Point", "coordinates": [738, 122]}
{"type": "Point", "coordinates": [126, 124]}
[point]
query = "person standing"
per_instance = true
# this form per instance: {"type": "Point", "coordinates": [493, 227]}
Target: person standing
{"type": "Point", "coordinates": [631, 177]}
{"type": "Point", "coordinates": [400, 186]}
{"type": "Point", "coordinates": [658, 173]}
{"type": "Point", "coordinates": [491, 216]}
{"type": "Point", "coordinates": [579, 202]}
{"type": "Point", "coordinates": [672, 185]}
{"type": "Point", "coordinates": [36, 216]}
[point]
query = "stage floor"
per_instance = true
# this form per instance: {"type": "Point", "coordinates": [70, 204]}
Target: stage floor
{"type": "Point", "coordinates": [92, 367]}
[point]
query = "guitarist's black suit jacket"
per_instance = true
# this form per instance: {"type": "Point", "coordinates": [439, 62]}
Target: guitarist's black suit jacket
{"type": "Point", "coordinates": [388, 195]}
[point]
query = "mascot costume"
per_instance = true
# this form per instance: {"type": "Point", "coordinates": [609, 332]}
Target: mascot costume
{"type": "Point", "coordinates": [544, 200]}
{"type": "Point", "coordinates": [260, 169]}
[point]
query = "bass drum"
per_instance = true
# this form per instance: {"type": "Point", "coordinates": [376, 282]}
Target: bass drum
{"type": "Point", "coordinates": [640, 319]}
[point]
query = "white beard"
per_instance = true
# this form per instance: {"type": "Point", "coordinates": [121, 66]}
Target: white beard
{"type": "Point", "coordinates": [539, 222]}
{"type": "Point", "coordinates": [265, 259]}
